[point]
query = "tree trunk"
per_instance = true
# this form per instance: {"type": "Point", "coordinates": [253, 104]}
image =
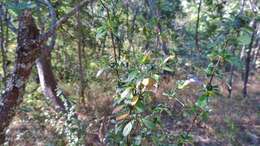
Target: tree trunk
{"type": "Point", "coordinates": [81, 69]}
{"type": "Point", "coordinates": [47, 79]}
{"type": "Point", "coordinates": [256, 52]}
{"type": "Point", "coordinates": [197, 43]}
{"type": "Point", "coordinates": [230, 82]}
{"type": "Point", "coordinates": [248, 59]}
{"type": "Point", "coordinates": [26, 53]}
{"type": "Point", "coordinates": [43, 63]}
{"type": "Point", "coordinates": [3, 46]}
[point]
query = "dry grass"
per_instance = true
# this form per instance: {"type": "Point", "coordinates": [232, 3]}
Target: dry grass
{"type": "Point", "coordinates": [233, 121]}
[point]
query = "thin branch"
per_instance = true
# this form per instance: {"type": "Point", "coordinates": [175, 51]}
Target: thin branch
{"type": "Point", "coordinates": [197, 28]}
{"type": "Point", "coordinates": [112, 38]}
{"type": "Point", "coordinates": [8, 21]}
{"type": "Point", "coordinates": [57, 24]}
{"type": "Point", "coordinates": [63, 19]}
{"type": "Point", "coordinates": [110, 31]}
{"type": "Point", "coordinates": [53, 22]}
{"type": "Point", "coordinates": [253, 6]}
{"type": "Point", "coordinates": [53, 16]}
{"type": "Point", "coordinates": [195, 118]}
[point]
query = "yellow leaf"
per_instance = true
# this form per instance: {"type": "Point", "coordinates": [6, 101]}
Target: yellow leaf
{"type": "Point", "coordinates": [122, 117]}
{"type": "Point", "coordinates": [171, 57]}
{"type": "Point", "coordinates": [148, 82]}
{"type": "Point", "coordinates": [146, 59]}
{"type": "Point", "coordinates": [134, 100]}
{"type": "Point", "coordinates": [93, 65]}
{"type": "Point", "coordinates": [210, 93]}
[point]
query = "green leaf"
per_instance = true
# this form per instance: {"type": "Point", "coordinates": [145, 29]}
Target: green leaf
{"type": "Point", "coordinates": [146, 59]}
{"type": "Point", "coordinates": [236, 61]}
{"type": "Point", "coordinates": [131, 76]}
{"type": "Point", "coordinates": [101, 32]}
{"type": "Point", "coordinates": [17, 8]}
{"type": "Point", "coordinates": [202, 102]}
{"type": "Point", "coordinates": [257, 18]}
{"type": "Point", "coordinates": [156, 77]}
{"type": "Point", "coordinates": [184, 84]}
{"type": "Point", "coordinates": [139, 107]}
{"type": "Point", "coordinates": [148, 123]}
{"type": "Point", "coordinates": [26, 109]}
{"type": "Point", "coordinates": [126, 93]}
{"type": "Point", "coordinates": [244, 39]}
{"type": "Point", "coordinates": [138, 140]}
{"type": "Point", "coordinates": [168, 69]}
{"type": "Point", "coordinates": [128, 128]}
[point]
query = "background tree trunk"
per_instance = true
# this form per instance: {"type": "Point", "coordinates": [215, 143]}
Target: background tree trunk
{"type": "Point", "coordinates": [248, 59]}
{"type": "Point", "coordinates": [197, 43]}
{"type": "Point", "coordinates": [81, 69]}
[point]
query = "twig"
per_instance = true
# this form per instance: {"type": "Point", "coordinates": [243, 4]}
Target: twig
{"type": "Point", "coordinates": [112, 38]}
{"type": "Point", "coordinates": [63, 19]}
{"type": "Point", "coordinates": [209, 84]}
{"type": "Point", "coordinates": [197, 28]}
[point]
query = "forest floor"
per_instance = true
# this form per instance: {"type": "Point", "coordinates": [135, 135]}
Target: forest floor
{"type": "Point", "coordinates": [232, 121]}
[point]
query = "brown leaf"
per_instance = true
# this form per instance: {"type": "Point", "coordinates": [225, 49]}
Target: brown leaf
{"type": "Point", "coordinates": [122, 117]}
{"type": "Point", "coordinates": [117, 109]}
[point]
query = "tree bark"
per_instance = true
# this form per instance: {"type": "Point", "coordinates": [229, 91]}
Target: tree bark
{"type": "Point", "coordinates": [29, 42]}
{"type": "Point", "coordinates": [81, 69]}
{"type": "Point", "coordinates": [162, 43]}
{"type": "Point", "coordinates": [43, 63]}
{"type": "Point", "coordinates": [26, 53]}
{"type": "Point", "coordinates": [256, 51]}
{"type": "Point", "coordinates": [47, 79]}
{"type": "Point", "coordinates": [197, 44]}
{"type": "Point", "coordinates": [248, 59]}
{"type": "Point", "coordinates": [3, 45]}
{"type": "Point", "coordinates": [230, 82]}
